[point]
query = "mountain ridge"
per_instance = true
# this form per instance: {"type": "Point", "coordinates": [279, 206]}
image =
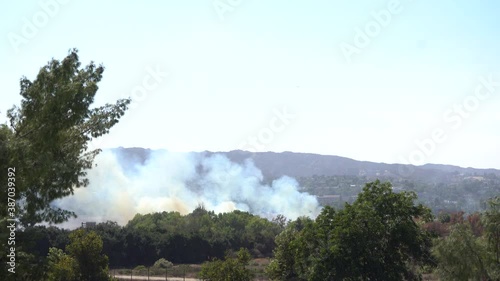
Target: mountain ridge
{"type": "Point", "coordinates": [300, 164]}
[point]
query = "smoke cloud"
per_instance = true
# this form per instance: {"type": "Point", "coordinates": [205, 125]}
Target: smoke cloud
{"type": "Point", "coordinates": [170, 181]}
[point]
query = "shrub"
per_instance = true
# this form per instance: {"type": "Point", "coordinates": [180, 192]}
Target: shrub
{"type": "Point", "coordinates": [163, 263]}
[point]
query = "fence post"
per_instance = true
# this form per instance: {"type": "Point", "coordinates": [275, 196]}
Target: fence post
{"type": "Point", "coordinates": [166, 273]}
{"type": "Point", "coordinates": [148, 273]}
{"type": "Point", "coordinates": [131, 274]}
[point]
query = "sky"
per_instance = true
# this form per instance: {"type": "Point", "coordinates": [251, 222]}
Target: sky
{"type": "Point", "coordinates": [385, 81]}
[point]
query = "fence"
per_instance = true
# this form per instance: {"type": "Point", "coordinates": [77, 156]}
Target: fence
{"type": "Point", "coordinates": [155, 274]}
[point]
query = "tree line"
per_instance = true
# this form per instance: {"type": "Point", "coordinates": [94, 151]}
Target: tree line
{"type": "Point", "coordinates": [196, 237]}
{"type": "Point", "coordinates": [383, 235]}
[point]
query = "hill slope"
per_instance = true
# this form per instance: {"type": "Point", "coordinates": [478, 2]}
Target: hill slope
{"type": "Point", "coordinates": [274, 165]}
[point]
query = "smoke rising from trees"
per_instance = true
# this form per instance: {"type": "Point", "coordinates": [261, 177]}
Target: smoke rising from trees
{"type": "Point", "coordinates": [168, 181]}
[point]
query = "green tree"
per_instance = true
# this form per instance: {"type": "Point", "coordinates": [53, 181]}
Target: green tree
{"type": "Point", "coordinates": [391, 239]}
{"type": "Point", "coordinates": [86, 249]}
{"type": "Point", "coordinates": [462, 255]}
{"type": "Point", "coordinates": [46, 142]}
{"type": "Point", "coordinates": [230, 269]}
{"type": "Point", "coordinates": [163, 263]}
{"type": "Point", "coordinates": [114, 246]}
{"type": "Point", "coordinates": [48, 135]}
{"type": "Point", "coordinates": [288, 260]}
{"type": "Point", "coordinates": [375, 238]}
{"type": "Point", "coordinates": [491, 221]}
{"type": "Point", "coordinates": [61, 267]}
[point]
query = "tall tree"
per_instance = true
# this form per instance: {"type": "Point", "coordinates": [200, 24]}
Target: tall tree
{"type": "Point", "coordinates": [86, 249]}
{"type": "Point", "coordinates": [291, 257]}
{"type": "Point", "coordinates": [460, 256]}
{"type": "Point", "coordinates": [464, 255]}
{"type": "Point", "coordinates": [48, 135]}
{"type": "Point", "coordinates": [46, 145]}
{"type": "Point", "coordinates": [375, 238]}
{"type": "Point", "coordinates": [61, 266]}
{"type": "Point", "coordinates": [84, 260]}
{"type": "Point", "coordinates": [491, 220]}
{"type": "Point", "coordinates": [230, 269]}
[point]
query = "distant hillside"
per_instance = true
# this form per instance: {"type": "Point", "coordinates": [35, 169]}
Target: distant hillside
{"type": "Point", "coordinates": [336, 180]}
{"type": "Point", "coordinates": [274, 165]}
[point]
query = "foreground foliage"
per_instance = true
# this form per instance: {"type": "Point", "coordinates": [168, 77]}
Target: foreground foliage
{"type": "Point", "coordinates": [83, 261]}
{"type": "Point", "coordinates": [229, 269]}
{"type": "Point", "coordinates": [465, 254]}
{"type": "Point", "coordinates": [376, 238]}
{"type": "Point", "coordinates": [48, 135]}
{"type": "Point", "coordinates": [46, 145]}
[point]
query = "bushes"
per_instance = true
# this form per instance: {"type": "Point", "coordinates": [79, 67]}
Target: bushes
{"type": "Point", "coordinates": [140, 270]}
{"type": "Point", "coordinates": [375, 238]}
{"type": "Point", "coordinates": [83, 261]}
{"type": "Point", "coordinates": [229, 269]}
{"type": "Point", "coordinates": [163, 263]}
{"type": "Point", "coordinates": [472, 249]}
{"type": "Point", "coordinates": [160, 267]}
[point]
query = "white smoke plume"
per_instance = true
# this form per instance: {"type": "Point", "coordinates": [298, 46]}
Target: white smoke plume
{"type": "Point", "coordinates": [170, 181]}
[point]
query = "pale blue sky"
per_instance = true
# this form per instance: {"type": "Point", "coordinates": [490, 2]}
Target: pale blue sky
{"type": "Point", "coordinates": [228, 76]}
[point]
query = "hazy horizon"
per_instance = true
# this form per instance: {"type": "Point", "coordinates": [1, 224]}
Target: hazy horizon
{"type": "Point", "coordinates": [381, 81]}
{"type": "Point", "coordinates": [305, 152]}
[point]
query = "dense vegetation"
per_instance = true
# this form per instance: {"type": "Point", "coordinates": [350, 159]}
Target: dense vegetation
{"type": "Point", "coordinates": [84, 260]}
{"type": "Point", "coordinates": [197, 237]}
{"type": "Point", "coordinates": [468, 247]}
{"type": "Point", "coordinates": [194, 238]}
{"type": "Point", "coordinates": [229, 269]}
{"type": "Point", "coordinates": [45, 151]}
{"type": "Point", "coordinates": [378, 237]}
{"type": "Point", "coordinates": [382, 233]}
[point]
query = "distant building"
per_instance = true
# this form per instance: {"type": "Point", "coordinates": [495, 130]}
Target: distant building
{"type": "Point", "coordinates": [89, 224]}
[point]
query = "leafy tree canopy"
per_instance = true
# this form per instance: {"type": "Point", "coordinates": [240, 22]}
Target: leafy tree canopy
{"type": "Point", "coordinates": [48, 134]}
{"type": "Point", "coordinates": [376, 238]}
{"type": "Point", "coordinates": [466, 255]}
